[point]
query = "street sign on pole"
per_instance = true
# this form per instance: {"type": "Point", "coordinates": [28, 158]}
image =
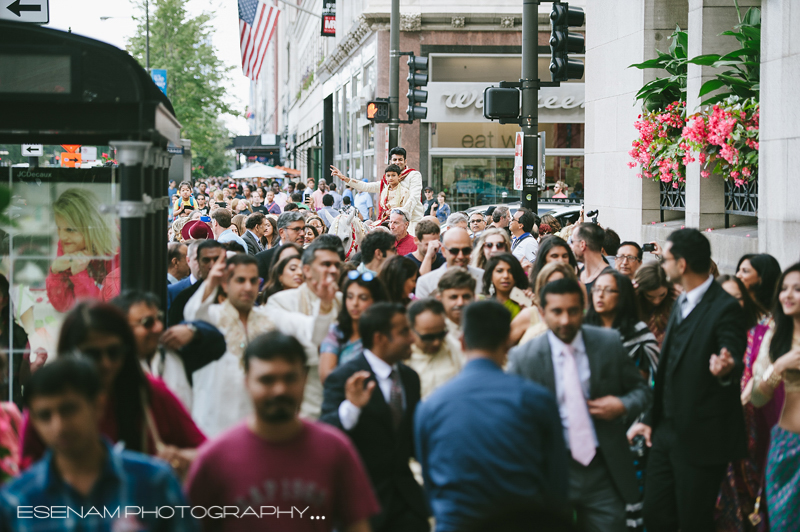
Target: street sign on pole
{"type": "Point", "coordinates": [33, 11]}
{"type": "Point", "coordinates": [33, 150]}
{"type": "Point", "coordinates": [159, 76]}
{"type": "Point", "coordinates": [518, 161]}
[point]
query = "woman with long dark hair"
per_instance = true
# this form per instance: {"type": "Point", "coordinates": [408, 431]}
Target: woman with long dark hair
{"type": "Point", "coordinates": [655, 296]}
{"type": "Point", "coordinates": [552, 249]}
{"type": "Point", "coordinates": [399, 276]}
{"type": "Point", "coordinates": [140, 409]}
{"type": "Point", "coordinates": [614, 307]}
{"type": "Point", "coordinates": [502, 275]}
{"type": "Point", "coordinates": [779, 361]}
{"type": "Point", "coordinates": [343, 343]}
{"type": "Point", "coordinates": [285, 275]}
{"type": "Point", "coordinates": [743, 485]}
{"type": "Point", "coordinates": [271, 237]}
{"type": "Point", "coordinates": [760, 274]}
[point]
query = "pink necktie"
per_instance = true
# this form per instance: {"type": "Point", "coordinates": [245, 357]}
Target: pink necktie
{"type": "Point", "coordinates": [581, 439]}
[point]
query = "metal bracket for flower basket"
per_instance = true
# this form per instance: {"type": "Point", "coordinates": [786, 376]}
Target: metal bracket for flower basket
{"type": "Point", "coordinates": [741, 200]}
{"type": "Point", "coordinates": [670, 198]}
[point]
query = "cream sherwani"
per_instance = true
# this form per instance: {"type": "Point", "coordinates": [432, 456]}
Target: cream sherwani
{"type": "Point", "coordinates": [220, 398]}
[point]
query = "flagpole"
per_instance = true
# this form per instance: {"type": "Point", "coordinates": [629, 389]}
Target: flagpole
{"type": "Point", "coordinates": [306, 10]}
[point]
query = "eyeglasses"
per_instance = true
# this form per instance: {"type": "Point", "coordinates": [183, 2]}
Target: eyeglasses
{"type": "Point", "coordinates": [366, 276]}
{"type": "Point", "coordinates": [604, 290]}
{"type": "Point", "coordinates": [477, 221]}
{"type": "Point", "coordinates": [495, 245]}
{"type": "Point", "coordinates": [455, 251]}
{"type": "Point", "coordinates": [296, 229]}
{"type": "Point", "coordinates": [432, 337]}
{"type": "Point", "coordinates": [113, 352]}
{"type": "Point", "coordinates": [628, 258]}
{"type": "Point", "coordinates": [148, 322]}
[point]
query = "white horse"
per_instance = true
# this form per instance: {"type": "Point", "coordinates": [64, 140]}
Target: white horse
{"type": "Point", "coordinates": [350, 229]}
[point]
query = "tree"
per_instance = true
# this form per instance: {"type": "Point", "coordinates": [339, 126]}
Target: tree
{"type": "Point", "coordinates": [196, 78]}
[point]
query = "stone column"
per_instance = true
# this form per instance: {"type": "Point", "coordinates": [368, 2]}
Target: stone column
{"type": "Point", "coordinates": [705, 200]}
{"type": "Point", "coordinates": [620, 33]}
{"type": "Point", "coordinates": [779, 184]}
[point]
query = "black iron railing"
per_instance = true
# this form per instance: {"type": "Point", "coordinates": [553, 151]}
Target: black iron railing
{"type": "Point", "coordinates": [741, 200]}
{"type": "Point", "coordinates": [671, 199]}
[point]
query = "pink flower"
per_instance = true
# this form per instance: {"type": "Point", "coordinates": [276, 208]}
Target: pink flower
{"type": "Point", "coordinates": [746, 171]}
{"type": "Point", "coordinates": [704, 173]}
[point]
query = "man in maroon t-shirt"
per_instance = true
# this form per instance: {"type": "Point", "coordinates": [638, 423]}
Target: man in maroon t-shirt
{"type": "Point", "coordinates": [275, 471]}
{"type": "Point", "coordinates": [398, 225]}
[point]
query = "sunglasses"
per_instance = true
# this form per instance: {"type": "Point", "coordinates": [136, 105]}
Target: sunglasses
{"type": "Point", "coordinates": [366, 276]}
{"type": "Point", "coordinates": [495, 245]}
{"type": "Point", "coordinates": [432, 337]}
{"type": "Point", "coordinates": [113, 352]}
{"type": "Point", "coordinates": [149, 321]}
{"type": "Point", "coordinates": [400, 212]}
{"type": "Point", "coordinates": [455, 251]}
{"type": "Point", "coordinates": [477, 221]}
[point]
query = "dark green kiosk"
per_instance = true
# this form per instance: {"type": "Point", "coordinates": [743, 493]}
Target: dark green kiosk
{"type": "Point", "coordinates": [59, 88]}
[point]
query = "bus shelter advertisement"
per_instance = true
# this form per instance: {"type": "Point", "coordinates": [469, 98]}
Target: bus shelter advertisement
{"type": "Point", "coordinates": [61, 248]}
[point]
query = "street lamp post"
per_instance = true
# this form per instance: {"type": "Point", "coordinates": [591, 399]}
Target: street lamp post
{"type": "Point", "coordinates": [147, 35]}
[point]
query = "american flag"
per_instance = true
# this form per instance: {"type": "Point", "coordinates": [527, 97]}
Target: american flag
{"type": "Point", "coordinates": [257, 22]}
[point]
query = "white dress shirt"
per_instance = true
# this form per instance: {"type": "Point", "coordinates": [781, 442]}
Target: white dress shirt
{"type": "Point", "coordinates": [693, 297]}
{"type": "Point", "coordinates": [557, 348]}
{"type": "Point", "coordinates": [348, 412]}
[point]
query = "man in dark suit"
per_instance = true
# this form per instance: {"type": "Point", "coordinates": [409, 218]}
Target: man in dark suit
{"type": "Point", "coordinates": [291, 228]}
{"type": "Point", "coordinates": [599, 391]}
{"type": "Point", "coordinates": [194, 267]}
{"type": "Point", "coordinates": [207, 253]}
{"type": "Point", "coordinates": [697, 419]}
{"type": "Point", "coordinates": [373, 399]}
{"type": "Point", "coordinates": [256, 225]}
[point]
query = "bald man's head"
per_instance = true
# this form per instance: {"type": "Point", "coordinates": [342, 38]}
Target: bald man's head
{"type": "Point", "coordinates": [457, 247]}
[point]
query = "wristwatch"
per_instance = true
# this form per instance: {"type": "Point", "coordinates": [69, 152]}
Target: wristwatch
{"type": "Point", "coordinates": [192, 328]}
{"type": "Point", "coordinates": [771, 378]}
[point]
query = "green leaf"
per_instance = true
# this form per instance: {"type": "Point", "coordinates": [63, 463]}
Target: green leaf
{"type": "Point", "coordinates": [650, 63]}
{"type": "Point", "coordinates": [751, 32]}
{"type": "Point", "coordinates": [752, 17]}
{"type": "Point", "coordinates": [705, 60]}
{"type": "Point", "coordinates": [710, 86]}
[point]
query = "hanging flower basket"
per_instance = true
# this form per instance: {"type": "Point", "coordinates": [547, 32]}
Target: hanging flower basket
{"type": "Point", "coordinates": [725, 138]}
{"type": "Point", "coordinates": [660, 149]}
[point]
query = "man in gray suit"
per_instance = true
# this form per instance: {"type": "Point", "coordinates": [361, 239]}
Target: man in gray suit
{"type": "Point", "coordinates": [599, 392]}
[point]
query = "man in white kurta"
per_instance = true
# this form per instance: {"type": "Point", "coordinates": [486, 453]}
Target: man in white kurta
{"type": "Point", "coordinates": [409, 178]}
{"type": "Point", "coordinates": [220, 399]}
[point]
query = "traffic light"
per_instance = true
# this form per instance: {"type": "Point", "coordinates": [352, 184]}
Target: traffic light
{"type": "Point", "coordinates": [501, 103]}
{"type": "Point", "coordinates": [378, 111]}
{"type": "Point", "coordinates": [563, 42]}
{"type": "Point", "coordinates": [417, 77]}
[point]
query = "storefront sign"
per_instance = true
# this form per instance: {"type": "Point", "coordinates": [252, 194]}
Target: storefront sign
{"type": "Point", "coordinates": [463, 102]}
{"type": "Point", "coordinates": [329, 19]}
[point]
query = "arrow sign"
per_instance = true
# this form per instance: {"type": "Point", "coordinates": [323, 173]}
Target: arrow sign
{"type": "Point", "coordinates": [35, 11]}
{"type": "Point", "coordinates": [32, 150]}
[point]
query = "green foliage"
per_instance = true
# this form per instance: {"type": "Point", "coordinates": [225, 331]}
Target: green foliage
{"type": "Point", "coordinates": [5, 202]}
{"type": "Point", "coordinates": [656, 95]}
{"type": "Point", "coordinates": [742, 77]}
{"type": "Point", "coordinates": [196, 78]}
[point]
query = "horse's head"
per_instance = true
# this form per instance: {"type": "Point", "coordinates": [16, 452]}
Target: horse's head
{"type": "Point", "coordinates": [343, 228]}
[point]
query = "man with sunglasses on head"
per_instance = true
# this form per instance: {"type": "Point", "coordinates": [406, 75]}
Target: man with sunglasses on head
{"type": "Point", "coordinates": [172, 355]}
{"type": "Point", "coordinates": [427, 256]}
{"type": "Point", "coordinates": [456, 248]}
{"type": "Point", "coordinates": [398, 225]}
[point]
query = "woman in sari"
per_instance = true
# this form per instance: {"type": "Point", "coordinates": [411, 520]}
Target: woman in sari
{"type": "Point", "coordinates": [741, 495]}
{"type": "Point", "coordinates": [779, 362]}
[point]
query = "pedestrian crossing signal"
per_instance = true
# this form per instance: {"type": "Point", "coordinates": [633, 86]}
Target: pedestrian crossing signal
{"type": "Point", "coordinates": [378, 111]}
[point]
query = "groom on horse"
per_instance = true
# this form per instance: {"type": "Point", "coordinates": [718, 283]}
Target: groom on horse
{"type": "Point", "coordinates": [410, 179]}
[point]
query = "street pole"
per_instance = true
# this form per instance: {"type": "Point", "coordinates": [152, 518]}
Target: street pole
{"type": "Point", "coordinates": [394, 76]}
{"type": "Point", "coordinates": [529, 119]}
{"type": "Point", "coordinates": [147, 39]}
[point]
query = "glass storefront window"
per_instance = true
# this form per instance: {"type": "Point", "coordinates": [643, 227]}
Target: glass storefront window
{"type": "Point", "coordinates": [470, 181]}
{"type": "Point", "coordinates": [347, 124]}
{"type": "Point", "coordinates": [369, 132]}
{"type": "Point", "coordinates": [562, 168]}
{"type": "Point", "coordinates": [337, 123]}
{"type": "Point", "coordinates": [358, 131]}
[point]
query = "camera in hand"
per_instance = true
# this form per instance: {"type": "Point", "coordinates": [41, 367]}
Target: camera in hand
{"type": "Point", "coordinates": [648, 247]}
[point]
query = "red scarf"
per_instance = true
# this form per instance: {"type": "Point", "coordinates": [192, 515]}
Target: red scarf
{"type": "Point", "coordinates": [383, 206]}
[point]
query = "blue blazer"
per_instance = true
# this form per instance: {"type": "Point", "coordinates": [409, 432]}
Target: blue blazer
{"type": "Point", "coordinates": [174, 289]}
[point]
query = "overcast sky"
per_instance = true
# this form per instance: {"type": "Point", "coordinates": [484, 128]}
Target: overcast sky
{"type": "Point", "coordinates": [83, 16]}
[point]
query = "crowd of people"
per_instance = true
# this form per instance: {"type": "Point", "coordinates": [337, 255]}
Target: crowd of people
{"type": "Point", "coordinates": [484, 377]}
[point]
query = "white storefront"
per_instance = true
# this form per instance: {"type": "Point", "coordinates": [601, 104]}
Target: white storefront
{"type": "Point", "coordinates": [472, 158]}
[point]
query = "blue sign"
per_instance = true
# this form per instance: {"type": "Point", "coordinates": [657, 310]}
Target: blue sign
{"type": "Point", "coordinates": [160, 78]}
